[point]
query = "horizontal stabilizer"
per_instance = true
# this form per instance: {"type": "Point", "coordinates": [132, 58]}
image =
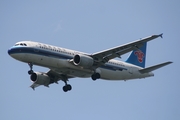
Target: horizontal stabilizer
{"type": "Point", "coordinates": [149, 69]}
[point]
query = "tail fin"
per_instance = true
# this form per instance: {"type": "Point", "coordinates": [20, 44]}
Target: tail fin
{"type": "Point", "coordinates": [138, 57]}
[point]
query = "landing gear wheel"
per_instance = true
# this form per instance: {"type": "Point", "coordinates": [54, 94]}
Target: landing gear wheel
{"type": "Point", "coordinates": [67, 87]}
{"type": "Point", "coordinates": [95, 76]}
{"type": "Point", "coordinates": [30, 72]}
{"type": "Point", "coordinates": [98, 75]}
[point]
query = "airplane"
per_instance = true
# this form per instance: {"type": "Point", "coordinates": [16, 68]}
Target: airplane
{"type": "Point", "coordinates": [65, 64]}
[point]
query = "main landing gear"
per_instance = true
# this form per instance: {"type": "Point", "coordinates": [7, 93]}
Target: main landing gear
{"type": "Point", "coordinates": [95, 76]}
{"type": "Point", "coordinates": [31, 67]}
{"type": "Point", "coordinates": [67, 87]}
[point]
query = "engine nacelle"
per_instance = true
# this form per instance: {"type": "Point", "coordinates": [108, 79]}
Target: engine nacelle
{"type": "Point", "coordinates": [83, 60]}
{"type": "Point", "coordinates": [40, 78]}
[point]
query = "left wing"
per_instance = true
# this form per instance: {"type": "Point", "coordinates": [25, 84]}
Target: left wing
{"type": "Point", "coordinates": [54, 78]}
{"type": "Point", "coordinates": [104, 56]}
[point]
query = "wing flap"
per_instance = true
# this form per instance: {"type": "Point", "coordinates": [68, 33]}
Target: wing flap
{"type": "Point", "coordinates": [152, 68]}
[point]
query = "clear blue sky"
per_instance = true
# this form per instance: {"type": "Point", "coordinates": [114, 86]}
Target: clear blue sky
{"type": "Point", "coordinates": [91, 26]}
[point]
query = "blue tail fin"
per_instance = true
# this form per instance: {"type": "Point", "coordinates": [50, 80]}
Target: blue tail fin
{"type": "Point", "coordinates": [138, 57]}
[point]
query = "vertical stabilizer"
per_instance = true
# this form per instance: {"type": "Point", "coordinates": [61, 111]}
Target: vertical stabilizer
{"type": "Point", "coordinates": [138, 57]}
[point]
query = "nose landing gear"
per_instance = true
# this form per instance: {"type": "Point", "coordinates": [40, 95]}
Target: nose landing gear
{"type": "Point", "coordinates": [31, 67]}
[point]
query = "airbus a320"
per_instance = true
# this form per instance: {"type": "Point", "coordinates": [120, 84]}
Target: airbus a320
{"type": "Point", "coordinates": [65, 64]}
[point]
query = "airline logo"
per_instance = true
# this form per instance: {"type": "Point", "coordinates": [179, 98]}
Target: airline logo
{"type": "Point", "coordinates": [140, 55]}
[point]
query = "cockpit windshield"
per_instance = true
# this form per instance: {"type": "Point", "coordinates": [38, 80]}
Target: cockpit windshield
{"type": "Point", "coordinates": [20, 44]}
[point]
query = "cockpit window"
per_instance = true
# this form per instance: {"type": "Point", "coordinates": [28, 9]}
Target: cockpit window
{"type": "Point", "coordinates": [16, 44]}
{"type": "Point", "coordinates": [21, 44]}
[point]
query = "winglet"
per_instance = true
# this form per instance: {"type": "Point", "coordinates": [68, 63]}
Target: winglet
{"type": "Point", "coordinates": [161, 35]}
{"type": "Point", "coordinates": [34, 85]}
{"type": "Point", "coordinates": [32, 88]}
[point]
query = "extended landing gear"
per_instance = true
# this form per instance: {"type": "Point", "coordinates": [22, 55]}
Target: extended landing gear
{"type": "Point", "coordinates": [31, 67]}
{"type": "Point", "coordinates": [67, 87]}
{"type": "Point", "coordinates": [95, 76]}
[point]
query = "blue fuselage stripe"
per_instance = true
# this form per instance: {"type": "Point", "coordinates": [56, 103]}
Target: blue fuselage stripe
{"type": "Point", "coordinates": [55, 54]}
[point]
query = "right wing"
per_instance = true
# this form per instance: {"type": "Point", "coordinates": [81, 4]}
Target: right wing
{"type": "Point", "coordinates": [104, 56]}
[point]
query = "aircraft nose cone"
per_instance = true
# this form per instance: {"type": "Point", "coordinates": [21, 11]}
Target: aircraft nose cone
{"type": "Point", "coordinates": [9, 51]}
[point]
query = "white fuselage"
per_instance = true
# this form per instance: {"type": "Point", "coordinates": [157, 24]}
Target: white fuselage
{"type": "Point", "coordinates": [58, 59]}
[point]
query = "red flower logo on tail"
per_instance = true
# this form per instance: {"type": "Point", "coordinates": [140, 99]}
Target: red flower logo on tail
{"type": "Point", "coordinates": [140, 55]}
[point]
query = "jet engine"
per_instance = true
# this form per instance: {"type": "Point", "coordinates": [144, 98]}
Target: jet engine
{"type": "Point", "coordinates": [40, 78]}
{"type": "Point", "coordinates": [83, 61]}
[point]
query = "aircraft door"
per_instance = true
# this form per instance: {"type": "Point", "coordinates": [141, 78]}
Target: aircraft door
{"type": "Point", "coordinates": [130, 70]}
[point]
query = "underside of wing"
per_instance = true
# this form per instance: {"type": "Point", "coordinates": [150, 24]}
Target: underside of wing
{"type": "Point", "coordinates": [39, 78]}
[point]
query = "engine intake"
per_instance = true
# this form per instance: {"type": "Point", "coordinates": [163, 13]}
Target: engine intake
{"type": "Point", "coordinates": [83, 61]}
{"type": "Point", "coordinates": [40, 78]}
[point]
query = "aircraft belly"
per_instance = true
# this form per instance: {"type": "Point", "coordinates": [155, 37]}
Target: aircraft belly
{"type": "Point", "coordinates": [73, 72]}
{"type": "Point", "coordinates": [113, 75]}
{"type": "Point", "coordinates": [63, 66]}
{"type": "Point", "coordinates": [19, 56]}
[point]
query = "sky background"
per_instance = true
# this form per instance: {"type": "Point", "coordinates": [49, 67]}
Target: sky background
{"type": "Point", "coordinates": [91, 26]}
